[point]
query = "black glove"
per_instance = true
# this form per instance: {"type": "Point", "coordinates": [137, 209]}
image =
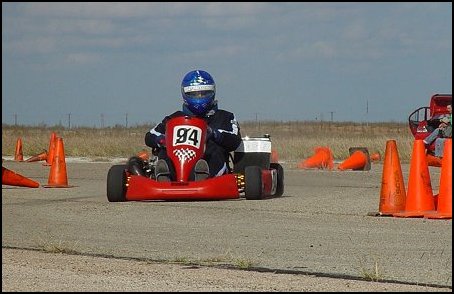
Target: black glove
{"type": "Point", "coordinates": [214, 134]}
{"type": "Point", "coordinates": [160, 141]}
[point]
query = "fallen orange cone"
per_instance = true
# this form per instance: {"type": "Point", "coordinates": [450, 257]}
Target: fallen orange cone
{"type": "Point", "coordinates": [322, 158]}
{"type": "Point", "coordinates": [13, 179]}
{"type": "Point", "coordinates": [359, 160]}
{"type": "Point", "coordinates": [38, 157]}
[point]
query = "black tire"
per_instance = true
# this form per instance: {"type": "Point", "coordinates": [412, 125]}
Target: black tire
{"type": "Point", "coordinates": [280, 178]}
{"type": "Point", "coordinates": [253, 189]}
{"type": "Point", "coordinates": [116, 183]}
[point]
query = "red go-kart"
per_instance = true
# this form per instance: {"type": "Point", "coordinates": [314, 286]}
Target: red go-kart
{"type": "Point", "coordinates": [252, 174]}
{"type": "Point", "coordinates": [426, 119]}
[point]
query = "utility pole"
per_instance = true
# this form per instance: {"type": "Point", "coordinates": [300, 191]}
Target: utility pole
{"type": "Point", "coordinates": [102, 120]}
{"type": "Point", "coordinates": [15, 119]}
{"type": "Point", "coordinates": [69, 120]}
{"type": "Point", "coordinates": [367, 113]}
{"type": "Point", "coordinates": [126, 120]}
{"type": "Point", "coordinates": [332, 112]}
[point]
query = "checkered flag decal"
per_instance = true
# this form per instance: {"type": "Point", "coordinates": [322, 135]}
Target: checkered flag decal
{"type": "Point", "coordinates": [184, 154]}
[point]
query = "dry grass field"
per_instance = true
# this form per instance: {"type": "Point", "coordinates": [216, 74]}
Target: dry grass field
{"type": "Point", "coordinates": [293, 140]}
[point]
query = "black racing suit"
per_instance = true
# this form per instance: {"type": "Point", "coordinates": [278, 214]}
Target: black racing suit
{"type": "Point", "coordinates": [217, 149]}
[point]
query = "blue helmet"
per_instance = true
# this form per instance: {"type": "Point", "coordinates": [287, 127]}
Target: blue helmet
{"type": "Point", "coordinates": [198, 90]}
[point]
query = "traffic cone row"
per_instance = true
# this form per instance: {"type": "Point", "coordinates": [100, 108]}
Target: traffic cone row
{"type": "Point", "coordinates": [359, 159]}
{"type": "Point", "coordinates": [419, 200]}
{"type": "Point", "coordinates": [58, 177]}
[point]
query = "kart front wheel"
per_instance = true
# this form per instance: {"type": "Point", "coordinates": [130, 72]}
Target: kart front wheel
{"type": "Point", "coordinates": [116, 183]}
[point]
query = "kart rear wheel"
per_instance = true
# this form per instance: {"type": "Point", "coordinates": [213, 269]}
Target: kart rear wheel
{"type": "Point", "coordinates": [280, 178]}
{"type": "Point", "coordinates": [116, 183]}
{"type": "Point", "coordinates": [253, 189]}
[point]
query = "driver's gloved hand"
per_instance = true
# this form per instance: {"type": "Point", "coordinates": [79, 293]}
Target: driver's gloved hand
{"type": "Point", "coordinates": [160, 141]}
{"type": "Point", "coordinates": [214, 134]}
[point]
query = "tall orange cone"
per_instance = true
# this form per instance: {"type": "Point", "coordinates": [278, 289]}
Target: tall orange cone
{"type": "Point", "coordinates": [358, 160]}
{"type": "Point", "coordinates": [38, 157]}
{"type": "Point", "coordinates": [322, 158]}
{"type": "Point", "coordinates": [420, 199]}
{"type": "Point", "coordinates": [392, 194]}
{"type": "Point", "coordinates": [51, 151]}
{"type": "Point", "coordinates": [13, 179]}
{"type": "Point", "coordinates": [18, 156]}
{"type": "Point", "coordinates": [58, 177]}
{"type": "Point", "coordinates": [274, 156]}
{"type": "Point", "coordinates": [444, 207]}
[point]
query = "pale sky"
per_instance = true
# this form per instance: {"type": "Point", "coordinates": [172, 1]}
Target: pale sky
{"type": "Point", "coordinates": [105, 62]}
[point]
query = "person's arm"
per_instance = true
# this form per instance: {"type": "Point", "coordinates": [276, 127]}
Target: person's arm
{"type": "Point", "coordinates": [228, 134]}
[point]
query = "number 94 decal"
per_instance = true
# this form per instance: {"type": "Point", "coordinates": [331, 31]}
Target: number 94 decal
{"type": "Point", "coordinates": [187, 135]}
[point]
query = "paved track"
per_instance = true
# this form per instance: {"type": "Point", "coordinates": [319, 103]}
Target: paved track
{"type": "Point", "coordinates": [320, 226]}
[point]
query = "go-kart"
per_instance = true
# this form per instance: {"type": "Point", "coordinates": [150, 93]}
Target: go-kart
{"type": "Point", "coordinates": [185, 138]}
{"type": "Point", "coordinates": [426, 119]}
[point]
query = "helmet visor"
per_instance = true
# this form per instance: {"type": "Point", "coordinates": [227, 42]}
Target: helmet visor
{"type": "Point", "coordinates": [200, 94]}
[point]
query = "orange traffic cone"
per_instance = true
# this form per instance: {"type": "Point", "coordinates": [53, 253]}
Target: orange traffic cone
{"type": "Point", "coordinates": [375, 156]}
{"type": "Point", "coordinates": [144, 155]}
{"type": "Point", "coordinates": [51, 151]}
{"type": "Point", "coordinates": [444, 207]}
{"type": "Point", "coordinates": [322, 158]}
{"type": "Point", "coordinates": [359, 160]}
{"type": "Point", "coordinates": [13, 179]}
{"type": "Point", "coordinates": [58, 177]}
{"type": "Point", "coordinates": [18, 156]}
{"type": "Point", "coordinates": [38, 157]}
{"type": "Point", "coordinates": [420, 199]}
{"type": "Point", "coordinates": [392, 194]}
{"type": "Point", "coordinates": [274, 156]}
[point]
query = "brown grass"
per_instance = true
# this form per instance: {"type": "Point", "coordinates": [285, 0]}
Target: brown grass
{"type": "Point", "coordinates": [293, 141]}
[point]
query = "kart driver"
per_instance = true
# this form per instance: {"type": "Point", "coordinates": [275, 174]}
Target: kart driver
{"type": "Point", "coordinates": [223, 134]}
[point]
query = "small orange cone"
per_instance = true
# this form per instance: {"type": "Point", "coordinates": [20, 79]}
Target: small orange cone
{"type": "Point", "coordinates": [375, 156]}
{"type": "Point", "coordinates": [420, 199]}
{"type": "Point", "coordinates": [392, 194]}
{"type": "Point", "coordinates": [38, 157]}
{"type": "Point", "coordinates": [274, 156]}
{"type": "Point", "coordinates": [51, 151]}
{"type": "Point", "coordinates": [144, 155]}
{"type": "Point", "coordinates": [18, 156]}
{"type": "Point", "coordinates": [58, 177]}
{"type": "Point", "coordinates": [444, 207]}
{"type": "Point", "coordinates": [13, 179]}
{"type": "Point", "coordinates": [359, 160]}
{"type": "Point", "coordinates": [322, 158]}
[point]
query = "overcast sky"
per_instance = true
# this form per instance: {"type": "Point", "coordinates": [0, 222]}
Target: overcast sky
{"type": "Point", "coordinates": [105, 62]}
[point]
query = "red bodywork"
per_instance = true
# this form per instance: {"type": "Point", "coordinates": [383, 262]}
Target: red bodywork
{"type": "Point", "coordinates": [218, 188]}
{"type": "Point", "coordinates": [185, 143]}
{"type": "Point", "coordinates": [425, 119]}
